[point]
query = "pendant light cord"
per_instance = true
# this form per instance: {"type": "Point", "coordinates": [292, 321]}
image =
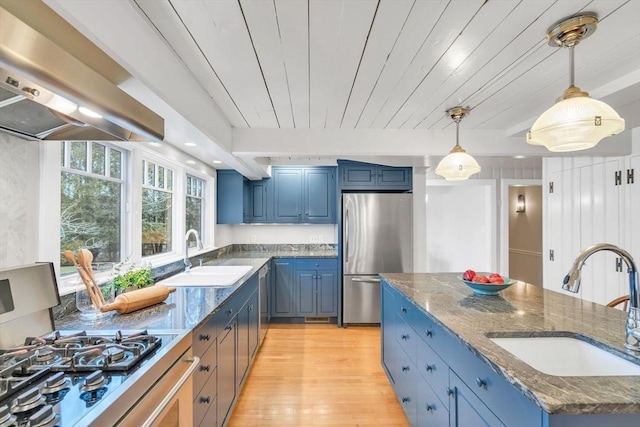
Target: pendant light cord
{"type": "Point", "coordinates": [572, 65]}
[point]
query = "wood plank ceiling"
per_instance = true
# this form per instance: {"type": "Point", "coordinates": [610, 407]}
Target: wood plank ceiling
{"type": "Point", "coordinates": [396, 64]}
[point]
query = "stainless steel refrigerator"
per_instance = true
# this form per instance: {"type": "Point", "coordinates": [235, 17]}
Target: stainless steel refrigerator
{"type": "Point", "coordinates": [377, 237]}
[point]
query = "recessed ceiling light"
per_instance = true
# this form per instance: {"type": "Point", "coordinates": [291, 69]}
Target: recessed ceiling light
{"type": "Point", "coordinates": [217, 162]}
{"type": "Point", "coordinates": [89, 113]}
{"type": "Point", "coordinates": [154, 144]}
{"type": "Point", "coordinates": [191, 162]}
{"type": "Point", "coordinates": [519, 157]}
{"type": "Point", "coordinates": [190, 144]}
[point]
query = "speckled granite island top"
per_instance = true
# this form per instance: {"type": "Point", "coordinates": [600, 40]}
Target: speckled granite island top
{"type": "Point", "coordinates": [525, 308]}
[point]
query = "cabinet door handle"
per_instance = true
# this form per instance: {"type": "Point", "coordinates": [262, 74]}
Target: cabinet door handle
{"type": "Point", "coordinates": [403, 309]}
{"type": "Point", "coordinates": [429, 368]}
{"type": "Point", "coordinates": [449, 391]}
{"type": "Point", "coordinates": [429, 333]}
{"type": "Point", "coordinates": [406, 400]}
{"type": "Point", "coordinates": [405, 369]}
{"type": "Point", "coordinates": [250, 307]}
{"type": "Point", "coordinates": [205, 368]}
{"type": "Point", "coordinates": [429, 408]}
{"type": "Point", "coordinates": [205, 399]}
{"type": "Point", "coordinates": [481, 383]}
{"type": "Point", "coordinates": [205, 337]}
{"type": "Point", "coordinates": [405, 337]}
{"type": "Point", "coordinates": [230, 311]}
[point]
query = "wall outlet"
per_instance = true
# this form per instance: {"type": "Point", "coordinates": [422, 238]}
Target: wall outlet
{"type": "Point", "coordinates": [314, 239]}
{"type": "Point", "coordinates": [253, 238]}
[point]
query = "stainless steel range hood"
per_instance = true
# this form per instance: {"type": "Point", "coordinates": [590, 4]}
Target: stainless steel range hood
{"type": "Point", "coordinates": [57, 85]}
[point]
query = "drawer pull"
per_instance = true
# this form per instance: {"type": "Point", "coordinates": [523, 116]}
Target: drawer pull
{"type": "Point", "coordinates": [406, 400]}
{"type": "Point", "coordinates": [205, 368]}
{"type": "Point", "coordinates": [429, 333]}
{"type": "Point", "coordinates": [405, 337]}
{"type": "Point", "coordinates": [205, 337]}
{"type": "Point", "coordinates": [404, 310]}
{"type": "Point", "coordinates": [205, 399]}
{"type": "Point", "coordinates": [405, 369]}
{"type": "Point", "coordinates": [449, 391]}
{"type": "Point", "coordinates": [230, 311]}
{"type": "Point", "coordinates": [430, 408]}
{"type": "Point", "coordinates": [481, 383]}
{"type": "Point", "coordinates": [429, 368]}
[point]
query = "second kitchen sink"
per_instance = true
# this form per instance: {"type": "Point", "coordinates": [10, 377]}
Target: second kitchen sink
{"type": "Point", "coordinates": [216, 275]}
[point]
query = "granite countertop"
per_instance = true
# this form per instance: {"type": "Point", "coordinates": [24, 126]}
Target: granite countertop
{"type": "Point", "coordinates": [188, 307]}
{"type": "Point", "coordinates": [526, 309]}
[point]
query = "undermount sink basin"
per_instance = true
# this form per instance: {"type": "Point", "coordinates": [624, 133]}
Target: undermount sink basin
{"type": "Point", "coordinates": [567, 356]}
{"type": "Point", "coordinates": [216, 275]}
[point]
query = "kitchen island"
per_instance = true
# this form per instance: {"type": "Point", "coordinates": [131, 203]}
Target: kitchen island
{"type": "Point", "coordinates": [434, 324]}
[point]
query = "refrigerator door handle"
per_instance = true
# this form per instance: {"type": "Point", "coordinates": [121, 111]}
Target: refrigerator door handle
{"type": "Point", "coordinates": [346, 236]}
{"type": "Point", "coordinates": [371, 279]}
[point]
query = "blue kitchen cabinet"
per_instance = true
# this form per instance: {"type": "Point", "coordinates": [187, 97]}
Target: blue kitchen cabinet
{"type": "Point", "coordinates": [283, 297]}
{"type": "Point", "coordinates": [257, 206]}
{"type": "Point", "coordinates": [316, 287]}
{"type": "Point", "coordinates": [240, 201]}
{"type": "Point", "coordinates": [287, 195]}
{"type": "Point", "coordinates": [367, 176]}
{"type": "Point", "coordinates": [438, 380]}
{"type": "Point", "coordinates": [303, 195]}
{"type": "Point", "coordinates": [230, 197]}
{"type": "Point", "coordinates": [318, 195]}
{"type": "Point", "coordinates": [226, 372]}
{"type": "Point", "coordinates": [467, 409]}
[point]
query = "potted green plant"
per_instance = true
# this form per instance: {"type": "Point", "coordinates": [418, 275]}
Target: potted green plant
{"type": "Point", "coordinates": [128, 277]}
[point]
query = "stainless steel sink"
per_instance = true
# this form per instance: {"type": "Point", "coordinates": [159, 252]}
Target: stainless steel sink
{"type": "Point", "coordinates": [216, 276]}
{"type": "Point", "coordinates": [567, 356]}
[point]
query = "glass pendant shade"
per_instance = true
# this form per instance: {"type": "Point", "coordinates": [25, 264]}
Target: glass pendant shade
{"type": "Point", "coordinates": [573, 124]}
{"type": "Point", "coordinates": [457, 165]}
{"type": "Point", "coordinates": [576, 122]}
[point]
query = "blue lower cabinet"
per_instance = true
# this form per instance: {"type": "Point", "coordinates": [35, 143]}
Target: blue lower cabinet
{"type": "Point", "coordinates": [447, 385]}
{"type": "Point", "coordinates": [283, 290]}
{"type": "Point", "coordinates": [226, 371]}
{"type": "Point", "coordinates": [316, 287]}
{"type": "Point", "coordinates": [430, 410]}
{"type": "Point", "coordinates": [466, 409]}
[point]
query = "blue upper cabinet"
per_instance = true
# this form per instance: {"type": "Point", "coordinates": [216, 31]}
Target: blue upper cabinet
{"type": "Point", "coordinates": [319, 195]}
{"type": "Point", "coordinates": [295, 195]}
{"type": "Point", "coordinates": [287, 195]}
{"type": "Point", "coordinates": [230, 197]}
{"type": "Point", "coordinates": [304, 195]}
{"type": "Point", "coordinates": [367, 176]}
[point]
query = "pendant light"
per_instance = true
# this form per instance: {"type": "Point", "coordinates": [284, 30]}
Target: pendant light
{"type": "Point", "coordinates": [457, 165]}
{"type": "Point", "coordinates": [575, 122]}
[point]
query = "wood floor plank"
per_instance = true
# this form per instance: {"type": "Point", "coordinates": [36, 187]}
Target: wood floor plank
{"type": "Point", "coordinates": [318, 375]}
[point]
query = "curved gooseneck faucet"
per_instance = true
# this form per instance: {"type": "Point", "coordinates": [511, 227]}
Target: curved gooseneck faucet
{"type": "Point", "coordinates": [571, 281]}
{"type": "Point", "coordinates": [191, 231]}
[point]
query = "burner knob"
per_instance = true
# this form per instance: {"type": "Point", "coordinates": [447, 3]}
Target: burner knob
{"type": "Point", "coordinates": [6, 418]}
{"type": "Point", "coordinates": [55, 383]}
{"type": "Point", "coordinates": [28, 400]}
{"type": "Point", "coordinates": [45, 417]}
{"type": "Point", "coordinates": [93, 381]}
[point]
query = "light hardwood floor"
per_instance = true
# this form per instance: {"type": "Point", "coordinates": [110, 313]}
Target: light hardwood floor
{"type": "Point", "coordinates": [318, 375]}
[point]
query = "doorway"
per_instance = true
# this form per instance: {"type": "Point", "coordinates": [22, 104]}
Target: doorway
{"type": "Point", "coordinates": [522, 231]}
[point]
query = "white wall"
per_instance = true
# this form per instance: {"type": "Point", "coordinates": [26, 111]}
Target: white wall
{"type": "Point", "coordinates": [280, 233]}
{"type": "Point", "coordinates": [19, 201]}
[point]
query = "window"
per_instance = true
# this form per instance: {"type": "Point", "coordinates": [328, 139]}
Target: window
{"type": "Point", "coordinates": [157, 209]}
{"type": "Point", "coordinates": [91, 201]}
{"type": "Point", "coordinates": [194, 207]}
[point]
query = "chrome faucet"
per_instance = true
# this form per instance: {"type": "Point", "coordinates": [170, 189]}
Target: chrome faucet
{"type": "Point", "coordinates": [187, 263]}
{"type": "Point", "coordinates": [571, 282]}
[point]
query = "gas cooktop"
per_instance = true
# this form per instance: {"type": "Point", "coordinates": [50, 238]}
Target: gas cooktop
{"type": "Point", "coordinates": [56, 379]}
